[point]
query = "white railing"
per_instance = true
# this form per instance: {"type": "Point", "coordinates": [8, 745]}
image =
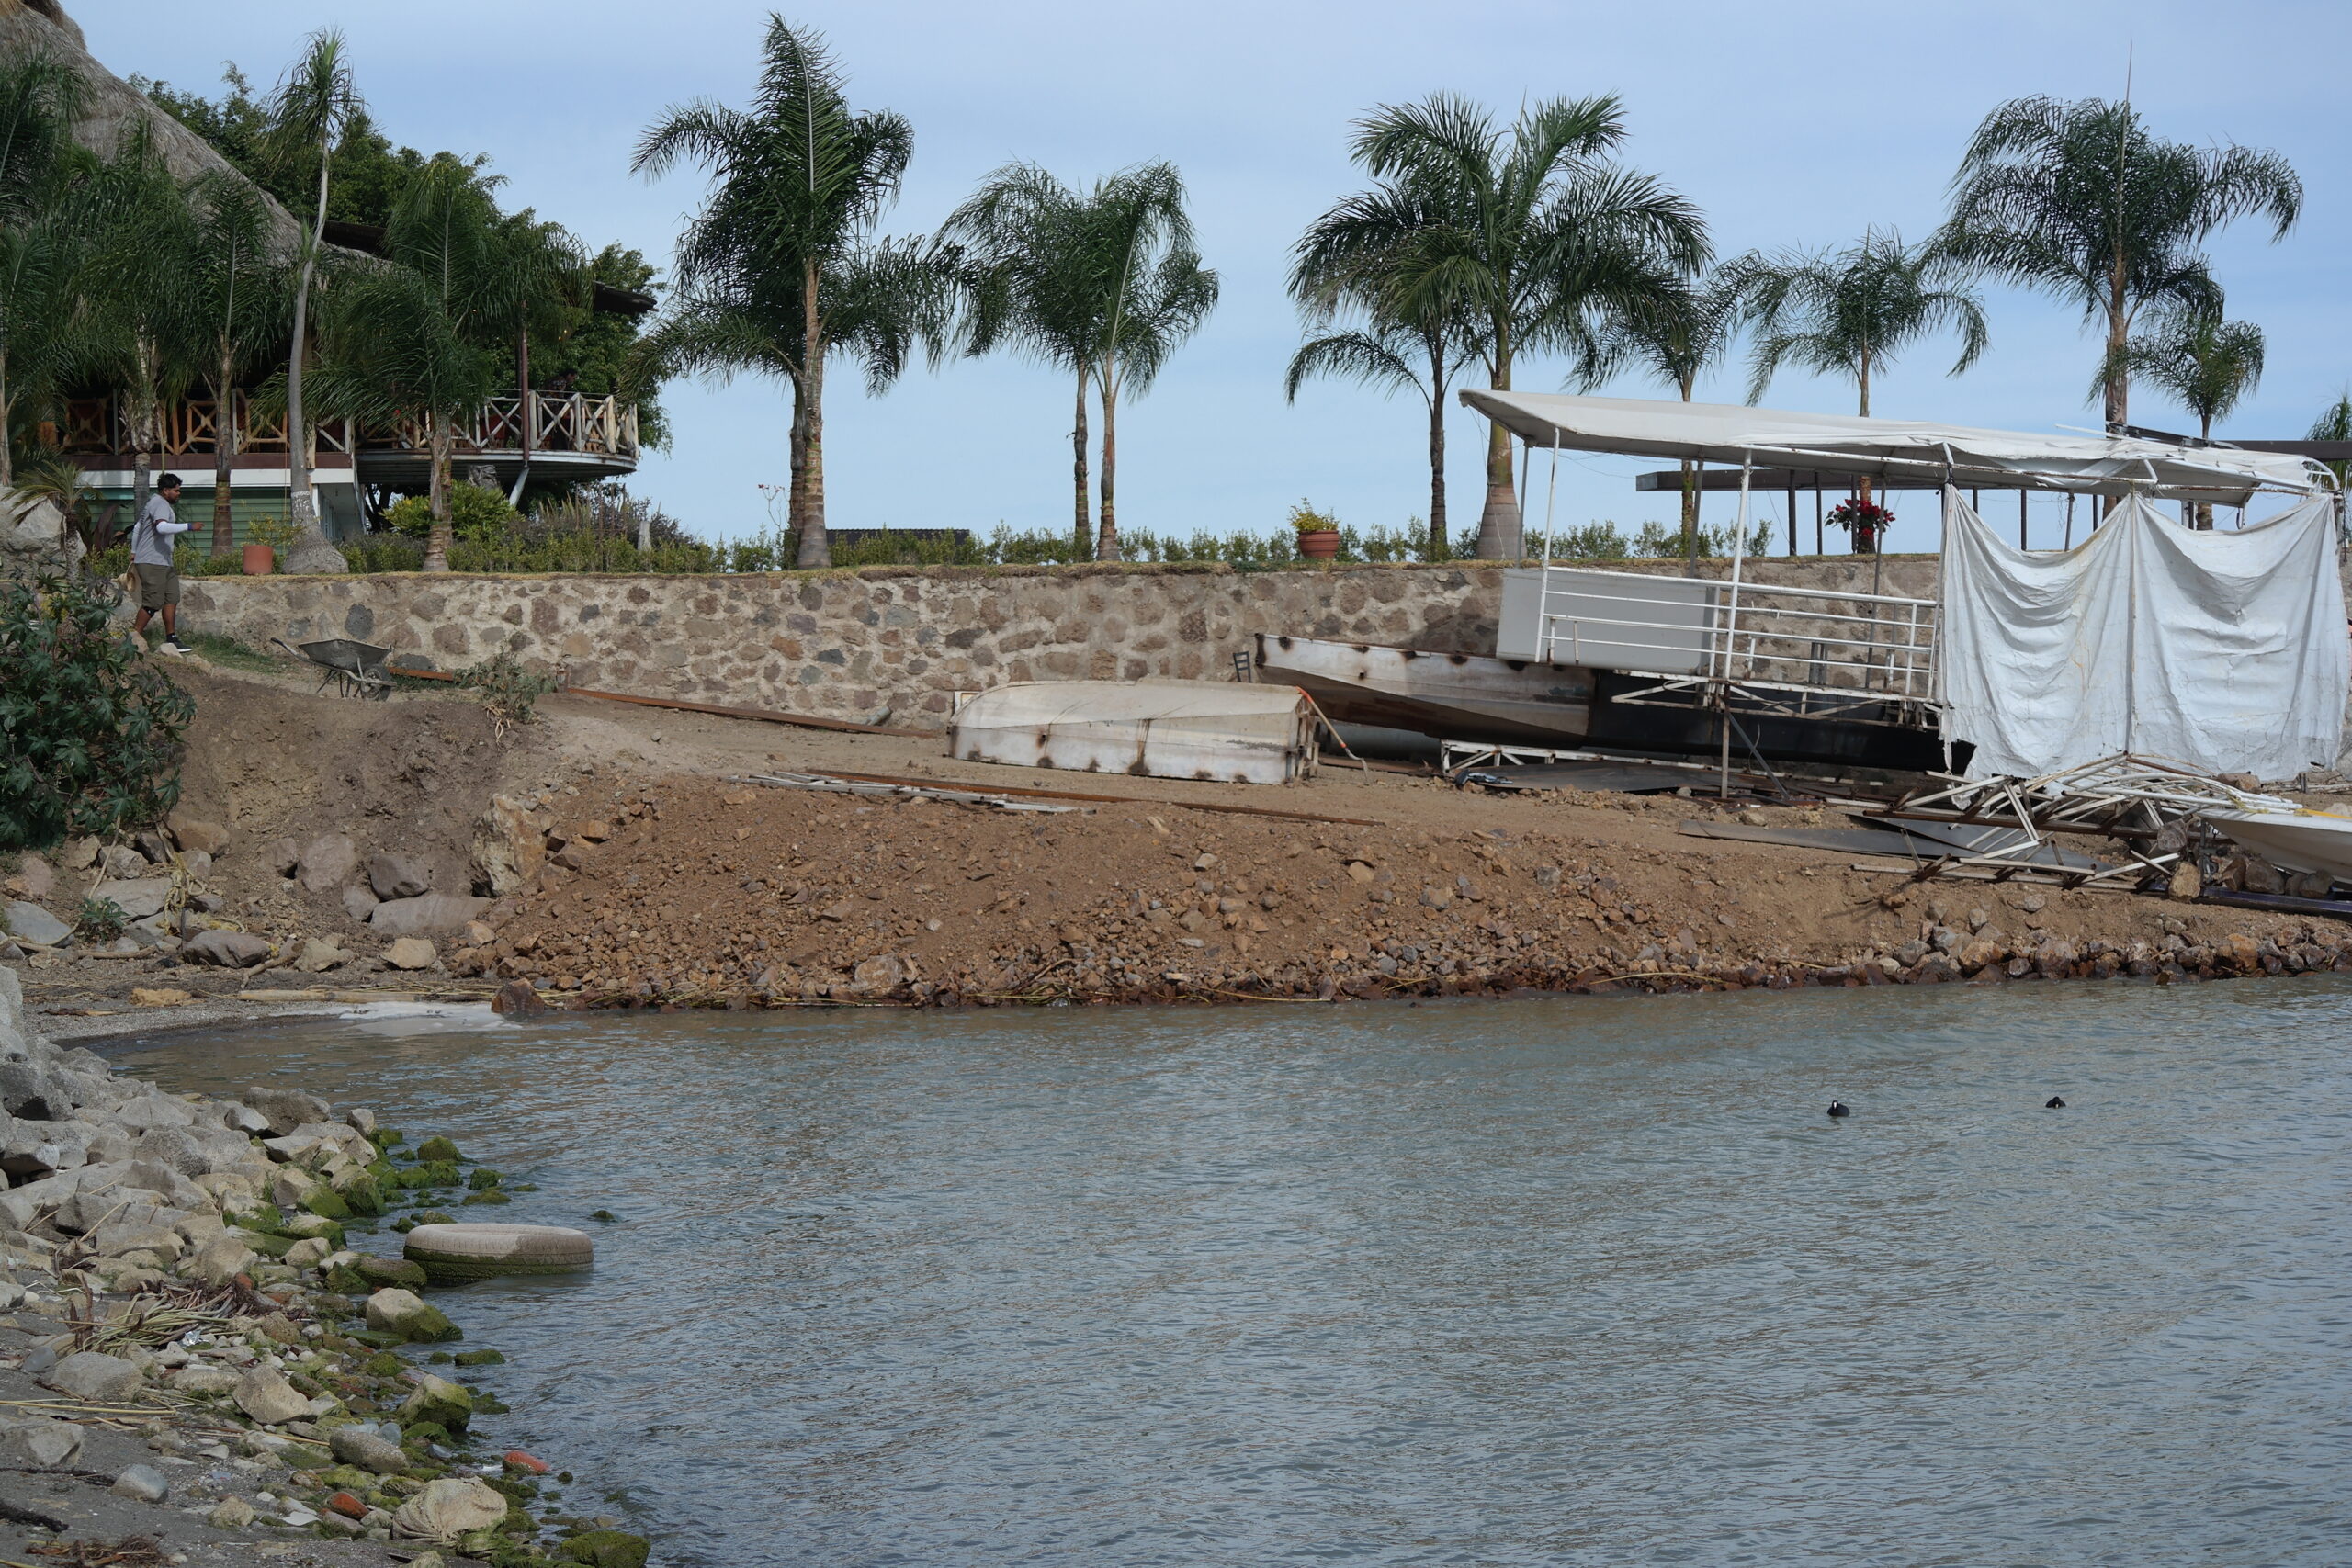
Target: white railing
{"type": "Point", "coordinates": [1751, 633]}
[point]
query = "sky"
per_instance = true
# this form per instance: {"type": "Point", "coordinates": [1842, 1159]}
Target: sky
{"type": "Point", "coordinates": [1799, 124]}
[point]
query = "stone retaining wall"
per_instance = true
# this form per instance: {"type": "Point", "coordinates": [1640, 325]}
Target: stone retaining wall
{"type": "Point", "coordinates": [896, 641]}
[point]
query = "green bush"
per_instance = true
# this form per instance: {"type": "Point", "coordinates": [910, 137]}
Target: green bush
{"type": "Point", "coordinates": [384, 552]}
{"type": "Point", "coordinates": [476, 511]}
{"type": "Point", "coordinates": [90, 731]}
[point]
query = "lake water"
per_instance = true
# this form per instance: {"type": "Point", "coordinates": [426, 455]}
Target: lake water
{"type": "Point", "coordinates": [1564, 1282]}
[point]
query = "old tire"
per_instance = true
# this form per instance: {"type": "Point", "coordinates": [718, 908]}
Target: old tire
{"type": "Point", "coordinates": [450, 1255]}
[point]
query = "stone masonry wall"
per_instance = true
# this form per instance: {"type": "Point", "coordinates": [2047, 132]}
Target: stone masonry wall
{"type": "Point", "coordinates": [890, 643]}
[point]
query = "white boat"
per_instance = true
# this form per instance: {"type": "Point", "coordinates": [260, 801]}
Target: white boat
{"type": "Point", "coordinates": [1224, 730]}
{"type": "Point", "coordinates": [2291, 837]}
{"type": "Point", "coordinates": [1453, 696]}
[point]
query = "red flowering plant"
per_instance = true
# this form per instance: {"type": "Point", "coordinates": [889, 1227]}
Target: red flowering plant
{"type": "Point", "coordinates": [1865, 521]}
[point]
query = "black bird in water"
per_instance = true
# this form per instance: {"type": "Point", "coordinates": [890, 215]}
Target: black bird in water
{"type": "Point", "coordinates": [1837, 1108]}
{"type": "Point", "coordinates": [2053, 1103]}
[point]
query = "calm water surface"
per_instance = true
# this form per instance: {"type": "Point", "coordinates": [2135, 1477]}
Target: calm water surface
{"type": "Point", "coordinates": [1573, 1281]}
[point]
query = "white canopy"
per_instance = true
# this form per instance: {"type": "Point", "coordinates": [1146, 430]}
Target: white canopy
{"type": "Point", "coordinates": [1913, 449]}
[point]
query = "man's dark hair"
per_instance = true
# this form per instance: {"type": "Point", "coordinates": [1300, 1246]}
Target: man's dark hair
{"type": "Point", "coordinates": [169, 481]}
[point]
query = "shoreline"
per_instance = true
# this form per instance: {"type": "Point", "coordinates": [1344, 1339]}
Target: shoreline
{"type": "Point", "coordinates": [199, 1352]}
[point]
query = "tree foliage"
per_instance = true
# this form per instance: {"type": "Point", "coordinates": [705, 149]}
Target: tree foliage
{"type": "Point", "coordinates": [90, 730]}
{"type": "Point", "coordinates": [2079, 201]}
{"type": "Point", "coordinates": [1531, 236]}
{"type": "Point", "coordinates": [1847, 313]}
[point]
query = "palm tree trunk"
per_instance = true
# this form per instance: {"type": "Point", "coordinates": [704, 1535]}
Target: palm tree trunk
{"type": "Point", "coordinates": [441, 536]}
{"type": "Point", "coordinates": [1863, 378]}
{"type": "Point", "coordinates": [7, 461]}
{"type": "Point", "coordinates": [2203, 521]}
{"type": "Point", "coordinates": [1441, 541]}
{"type": "Point", "coordinates": [1082, 530]}
{"type": "Point", "coordinates": [1107, 542]}
{"type": "Point", "coordinates": [796, 485]}
{"type": "Point", "coordinates": [1501, 533]}
{"type": "Point", "coordinates": [815, 549]}
{"type": "Point", "coordinates": [299, 510]}
{"type": "Point", "coordinates": [2119, 330]}
{"type": "Point", "coordinates": [224, 453]}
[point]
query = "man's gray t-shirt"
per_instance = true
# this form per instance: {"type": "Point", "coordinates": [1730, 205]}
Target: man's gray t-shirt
{"type": "Point", "coordinates": [151, 537]}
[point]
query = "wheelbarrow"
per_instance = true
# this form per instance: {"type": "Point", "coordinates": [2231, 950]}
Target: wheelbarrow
{"type": "Point", "coordinates": [357, 669]}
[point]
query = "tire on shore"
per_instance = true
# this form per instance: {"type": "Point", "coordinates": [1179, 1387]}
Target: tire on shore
{"type": "Point", "coordinates": [451, 1255]}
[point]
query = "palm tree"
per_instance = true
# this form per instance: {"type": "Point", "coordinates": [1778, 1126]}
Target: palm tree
{"type": "Point", "coordinates": [1677, 337]}
{"type": "Point", "coordinates": [1162, 296]}
{"type": "Point", "coordinates": [1849, 313]}
{"type": "Point", "coordinates": [2206, 364]}
{"type": "Point", "coordinates": [1033, 279]}
{"type": "Point", "coordinates": [1532, 235]}
{"type": "Point", "coordinates": [1390, 355]}
{"type": "Point", "coordinates": [2079, 201]}
{"type": "Point", "coordinates": [2335, 423]}
{"type": "Point", "coordinates": [1390, 350]}
{"type": "Point", "coordinates": [1102, 283]}
{"type": "Point", "coordinates": [801, 180]}
{"type": "Point", "coordinates": [388, 349]}
{"type": "Point", "coordinates": [145, 314]}
{"type": "Point", "coordinates": [314, 105]}
{"type": "Point", "coordinates": [538, 273]}
{"type": "Point", "coordinates": [46, 217]}
{"type": "Point", "coordinates": [239, 305]}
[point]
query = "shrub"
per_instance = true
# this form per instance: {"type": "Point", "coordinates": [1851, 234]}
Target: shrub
{"type": "Point", "coordinates": [476, 511]}
{"type": "Point", "coordinates": [90, 731]}
{"type": "Point", "coordinates": [99, 919]}
{"type": "Point", "coordinates": [507, 689]}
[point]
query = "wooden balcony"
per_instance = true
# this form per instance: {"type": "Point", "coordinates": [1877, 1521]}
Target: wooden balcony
{"type": "Point", "coordinates": [558, 433]}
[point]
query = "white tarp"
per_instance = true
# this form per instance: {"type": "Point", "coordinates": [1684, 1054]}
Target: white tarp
{"type": "Point", "coordinates": [1167, 729]}
{"type": "Point", "coordinates": [1892, 448]}
{"type": "Point", "coordinates": [2225, 649]}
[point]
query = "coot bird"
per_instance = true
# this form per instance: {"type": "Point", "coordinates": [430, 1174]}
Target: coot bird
{"type": "Point", "coordinates": [2053, 1103]}
{"type": "Point", "coordinates": [1837, 1108]}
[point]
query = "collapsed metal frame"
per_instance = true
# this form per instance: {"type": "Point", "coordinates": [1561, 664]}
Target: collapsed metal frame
{"type": "Point", "coordinates": [2152, 809]}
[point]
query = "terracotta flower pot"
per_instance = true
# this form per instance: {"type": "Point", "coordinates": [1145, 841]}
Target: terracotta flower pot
{"type": "Point", "coordinates": [1323, 544]}
{"type": "Point", "coordinates": [260, 560]}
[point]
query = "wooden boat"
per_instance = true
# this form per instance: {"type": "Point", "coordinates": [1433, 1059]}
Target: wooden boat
{"type": "Point", "coordinates": [1469, 696]}
{"type": "Point", "coordinates": [1454, 697]}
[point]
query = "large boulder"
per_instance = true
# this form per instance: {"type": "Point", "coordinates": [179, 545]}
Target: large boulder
{"type": "Point", "coordinates": [196, 836]}
{"type": "Point", "coordinates": [399, 876]}
{"type": "Point", "coordinates": [328, 860]}
{"type": "Point", "coordinates": [227, 950]}
{"type": "Point", "coordinates": [449, 1406]}
{"type": "Point", "coordinates": [137, 897]}
{"type": "Point", "coordinates": [286, 1109]}
{"type": "Point", "coordinates": [35, 924]}
{"type": "Point", "coordinates": [39, 1442]}
{"type": "Point", "coordinates": [364, 1447]}
{"type": "Point", "coordinates": [269, 1399]}
{"type": "Point", "coordinates": [91, 1376]}
{"type": "Point", "coordinates": [395, 1311]}
{"type": "Point", "coordinates": [425, 914]}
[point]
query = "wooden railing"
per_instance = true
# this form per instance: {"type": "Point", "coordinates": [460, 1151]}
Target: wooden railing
{"type": "Point", "coordinates": [558, 422]}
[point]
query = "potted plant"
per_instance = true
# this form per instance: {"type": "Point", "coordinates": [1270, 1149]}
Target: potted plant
{"type": "Point", "coordinates": [1865, 521]}
{"type": "Point", "coordinates": [1319, 532]}
{"type": "Point", "coordinates": [266, 538]}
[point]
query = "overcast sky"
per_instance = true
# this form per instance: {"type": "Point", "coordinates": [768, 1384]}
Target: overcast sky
{"type": "Point", "coordinates": [1797, 124]}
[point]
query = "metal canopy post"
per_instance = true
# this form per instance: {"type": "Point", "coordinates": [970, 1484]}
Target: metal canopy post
{"type": "Point", "coordinates": [1729, 640]}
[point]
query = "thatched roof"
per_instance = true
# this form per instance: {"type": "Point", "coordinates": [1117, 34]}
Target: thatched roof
{"type": "Point", "coordinates": [112, 105]}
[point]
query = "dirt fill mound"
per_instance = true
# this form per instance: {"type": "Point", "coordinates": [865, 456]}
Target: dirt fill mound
{"type": "Point", "coordinates": [411, 776]}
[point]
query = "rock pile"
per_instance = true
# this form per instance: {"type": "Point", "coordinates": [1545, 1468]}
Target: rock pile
{"type": "Point", "coordinates": [188, 1260]}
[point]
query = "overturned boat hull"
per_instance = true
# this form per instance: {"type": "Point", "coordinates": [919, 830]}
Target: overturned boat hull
{"type": "Point", "coordinates": [1167, 729]}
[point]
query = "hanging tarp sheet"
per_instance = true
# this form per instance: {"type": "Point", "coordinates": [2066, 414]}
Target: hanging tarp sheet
{"type": "Point", "coordinates": [2223, 649]}
{"type": "Point", "coordinates": [1892, 448]}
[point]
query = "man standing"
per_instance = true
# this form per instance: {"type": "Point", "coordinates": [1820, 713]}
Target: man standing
{"type": "Point", "coordinates": [151, 559]}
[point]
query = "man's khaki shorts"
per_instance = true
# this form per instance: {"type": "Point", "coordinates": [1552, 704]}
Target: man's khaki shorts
{"type": "Point", "coordinates": [158, 586]}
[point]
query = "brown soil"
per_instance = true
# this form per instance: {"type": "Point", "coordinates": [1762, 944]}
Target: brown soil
{"type": "Point", "coordinates": [710, 889]}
